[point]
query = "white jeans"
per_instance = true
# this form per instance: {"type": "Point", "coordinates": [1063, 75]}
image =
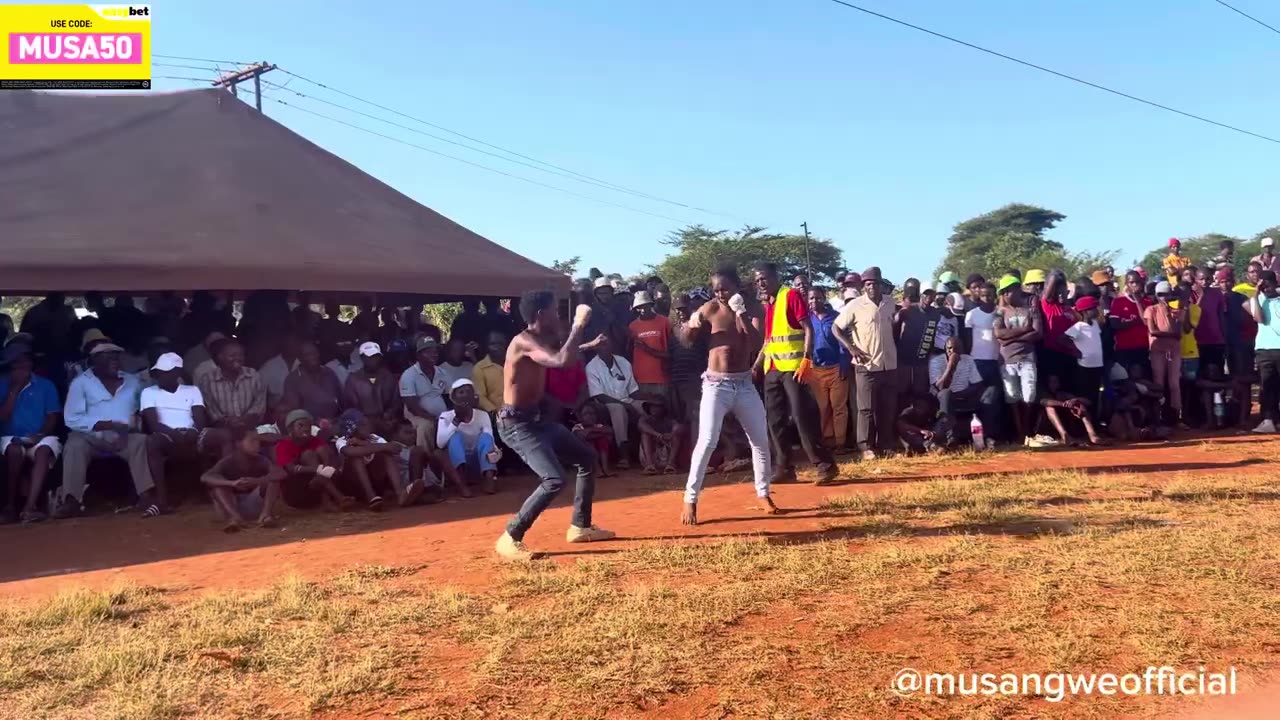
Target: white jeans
{"type": "Point", "coordinates": [724, 393]}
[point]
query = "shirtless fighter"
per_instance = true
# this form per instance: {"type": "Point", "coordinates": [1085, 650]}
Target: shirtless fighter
{"type": "Point", "coordinates": [539, 441]}
{"type": "Point", "coordinates": [726, 387]}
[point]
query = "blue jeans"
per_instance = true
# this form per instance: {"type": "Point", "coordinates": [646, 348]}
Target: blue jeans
{"type": "Point", "coordinates": [538, 442]}
{"type": "Point", "coordinates": [724, 393]}
{"type": "Point", "coordinates": [459, 455]}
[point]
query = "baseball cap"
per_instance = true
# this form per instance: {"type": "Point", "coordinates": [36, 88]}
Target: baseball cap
{"type": "Point", "coordinates": [603, 282]}
{"type": "Point", "coordinates": [426, 341]}
{"type": "Point", "coordinates": [1008, 281]}
{"type": "Point", "coordinates": [370, 349]}
{"type": "Point", "coordinates": [1268, 242]}
{"type": "Point", "coordinates": [105, 347]}
{"type": "Point", "coordinates": [642, 298]}
{"type": "Point", "coordinates": [296, 415]}
{"type": "Point", "coordinates": [459, 383]}
{"type": "Point", "coordinates": [948, 277]}
{"type": "Point", "coordinates": [92, 335]}
{"type": "Point", "coordinates": [166, 362]}
{"type": "Point", "coordinates": [1088, 302]}
{"type": "Point", "coordinates": [1033, 276]}
{"type": "Point", "coordinates": [1163, 288]}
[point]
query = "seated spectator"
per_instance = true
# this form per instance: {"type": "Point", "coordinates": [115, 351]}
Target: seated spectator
{"type": "Point", "coordinates": [954, 378]}
{"type": "Point", "coordinates": [29, 417]}
{"type": "Point", "coordinates": [1086, 335]}
{"type": "Point", "coordinates": [276, 370]}
{"type": "Point", "coordinates": [372, 463]}
{"type": "Point", "coordinates": [101, 411]}
{"type": "Point", "coordinates": [459, 360]}
{"type": "Point", "coordinates": [921, 429]}
{"type": "Point", "coordinates": [423, 389]}
{"type": "Point", "coordinates": [337, 362]}
{"type": "Point", "coordinates": [591, 431]}
{"type": "Point", "coordinates": [466, 435]}
{"type": "Point", "coordinates": [310, 464]}
{"type": "Point", "coordinates": [244, 484]}
{"type": "Point", "coordinates": [1057, 398]}
{"type": "Point", "coordinates": [659, 438]}
{"type": "Point", "coordinates": [311, 386]}
{"type": "Point", "coordinates": [374, 390]}
{"type": "Point", "coordinates": [1164, 327]}
{"type": "Point", "coordinates": [487, 374]}
{"type": "Point", "coordinates": [611, 383]}
{"type": "Point", "coordinates": [415, 464]}
{"type": "Point", "coordinates": [175, 417]}
{"type": "Point", "coordinates": [198, 361]}
{"type": "Point", "coordinates": [233, 394]}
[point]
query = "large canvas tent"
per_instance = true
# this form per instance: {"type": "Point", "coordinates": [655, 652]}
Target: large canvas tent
{"type": "Point", "coordinates": [192, 190]}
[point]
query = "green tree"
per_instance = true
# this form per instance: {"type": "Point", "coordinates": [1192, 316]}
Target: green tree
{"type": "Point", "coordinates": [568, 267]}
{"type": "Point", "coordinates": [697, 251]}
{"type": "Point", "coordinates": [1013, 237]}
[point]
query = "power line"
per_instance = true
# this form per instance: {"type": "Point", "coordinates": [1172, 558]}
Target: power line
{"type": "Point", "coordinates": [474, 164]}
{"type": "Point", "coordinates": [185, 67]}
{"type": "Point", "coordinates": [203, 60]}
{"type": "Point", "coordinates": [1062, 75]}
{"type": "Point", "coordinates": [595, 180]}
{"type": "Point", "coordinates": [206, 81]}
{"type": "Point", "coordinates": [1245, 14]}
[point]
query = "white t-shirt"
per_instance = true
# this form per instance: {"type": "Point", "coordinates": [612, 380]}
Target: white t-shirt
{"type": "Point", "coordinates": [341, 442]}
{"type": "Point", "coordinates": [173, 408]}
{"type": "Point", "coordinates": [966, 373]}
{"type": "Point", "coordinates": [617, 382]}
{"type": "Point", "coordinates": [984, 334]}
{"type": "Point", "coordinates": [470, 431]}
{"type": "Point", "coordinates": [1088, 338]}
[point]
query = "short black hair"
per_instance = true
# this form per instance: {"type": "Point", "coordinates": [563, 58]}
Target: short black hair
{"type": "Point", "coordinates": [534, 302]}
{"type": "Point", "coordinates": [1268, 275]}
{"type": "Point", "coordinates": [215, 349]}
{"type": "Point", "coordinates": [974, 278]}
{"type": "Point", "coordinates": [728, 272]}
{"type": "Point", "coordinates": [1014, 272]}
{"type": "Point", "coordinates": [1227, 244]}
{"type": "Point", "coordinates": [768, 268]}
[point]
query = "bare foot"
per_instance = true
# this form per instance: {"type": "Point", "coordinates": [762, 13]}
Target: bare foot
{"type": "Point", "coordinates": [769, 507]}
{"type": "Point", "coordinates": [689, 516]}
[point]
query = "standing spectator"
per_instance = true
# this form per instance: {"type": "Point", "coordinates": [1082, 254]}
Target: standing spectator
{"type": "Point", "coordinates": [499, 320]}
{"type": "Point", "coordinates": [829, 377]}
{"type": "Point", "coordinates": [602, 322]}
{"type": "Point", "coordinates": [650, 335]}
{"type": "Point", "coordinates": [312, 386]}
{"type": "Point", "coordinates": [1263, 306]}
{"type": "Point", "coordinates": [487, 374]}
{"type": "Point", "coordinates": [29, 418]}
{"type": "Point", "coordinates": [459, 360]}
{"type": "Point", "coordinates": [786, 359]}
{"type": "Point", "coordinates": [1213, 314]}
{"type": "Point", "coordinates": [866, 326]}
{"type": "Point", "coordinates": [49, 322]}
{"type": "Point", "coordinates": [1164, 326]}
{"type": "Point", "coordinates": [662, 300]}
{"type": "Point", "coordinates": [1057, 351]}
{"type": "Point", "coordinates": [174, 416]}
{"type": "Point", "coordinates": [612, 383]}
{"type": "Point", "coordinates": [1191, 317]}
{"type": "Point", "coordinates": [1018, 326]}
{"type": "Point", "coordinates": [374, 391]}
{"type": "Point", "coordinates": [423, 389]}
{"type": "Point", "coordinates": [470, 326]}
{"type": "Point", "coordinates": [980, 332]}
{"type": "Point", "coordinates": [1106, 289]}
{"type": "Point", "coordinates": [1087, 336]}
{"type": "Point", "coordinates": [1126, 321]}
{"type": "Point", "coordinates": [101, 411]}
{"type": "Point", "coordinates": [1175, 262]}
{"type": "Point", "coordinates": [1241, 331]}
{"type": "Point", "coordinates": [1266, 260]}
{"type": "Point", "coordinates": [915, 325]}
{"type": "Point", "coordinates": [466, 436]}
{"type": "Point", "coordinates": [1033, 283]}
{"type": "Point", "coordinates": [233, 394]}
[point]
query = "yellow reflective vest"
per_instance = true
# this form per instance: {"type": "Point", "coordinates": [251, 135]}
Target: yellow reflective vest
{"type": "Point", "coordinates": [784, 347]}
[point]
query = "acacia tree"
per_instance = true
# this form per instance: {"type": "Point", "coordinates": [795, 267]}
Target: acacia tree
{"type": "Point", "coordinates": [1013, 237]}
{"type": "Point", "coordinates": [697, 251]}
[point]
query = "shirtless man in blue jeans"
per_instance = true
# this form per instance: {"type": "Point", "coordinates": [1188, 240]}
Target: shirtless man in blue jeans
{"type": "Point", "coordinates": [726, 388]}
{"type": "Point", "coordinates": [540, 441]}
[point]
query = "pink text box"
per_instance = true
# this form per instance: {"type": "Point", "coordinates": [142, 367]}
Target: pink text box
{"type": "Point", "coordinates": [75, 48]}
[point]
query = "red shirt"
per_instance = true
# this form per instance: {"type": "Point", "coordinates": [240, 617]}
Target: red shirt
{"type": "Point", "coordinates": [1058, 318]}
{"type": "Point", "coordinates": [288, 451]}
{"type": "Point", "coordinates": [564, 383]}
{"type": "Point", "coordinates": [1133, 337]}
{"type": "Point", "coordinates": [797, 313]}
{"type": "Point", "coordinates": [653, 333]}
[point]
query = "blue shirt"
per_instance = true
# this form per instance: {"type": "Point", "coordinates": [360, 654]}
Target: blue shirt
{"type": "Point", "coordinates": [1269, 328]}
{"type": "Point", "coordinates": [89, 403]}
{"type": "Point", "coordinates": [34, 403]}
{"type": "Point", "coordinates": [827, 351]}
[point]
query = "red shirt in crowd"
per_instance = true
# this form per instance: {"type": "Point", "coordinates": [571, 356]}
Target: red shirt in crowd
{"type": "Point", "coordinates": [288, 451]}
{"type": "Point", "coordinates": [654, 333]}
{"type": "Point", "coordinates": [1058, 318]}
{"type": "Point", "coordinates": [1133, 337]}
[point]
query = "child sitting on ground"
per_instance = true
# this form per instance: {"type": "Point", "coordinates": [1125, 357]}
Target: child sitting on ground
{"type": "Point", "coordinates": [591, 431]}
{"type": "Point", "coordinates": [659, 438]}
{"type": "Point", "coordinates": [310, 463]}
{"type": "Point", "coordinates": [920, 428]}
{"type": "Point", "coordinates": [244, 484]}
{"type": "Point", "coordinates": [415, 464]}
{"type": "Point", "coordinates": [372, 462]}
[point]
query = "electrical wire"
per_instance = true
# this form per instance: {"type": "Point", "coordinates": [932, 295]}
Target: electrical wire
{"type": "Point", "coordinates": [473, 164]}
{"type": "Point", "coordinates": [1238, 11]}
{"type": "Point", "coordinates": [1062, 75]}
{"type": "Point", "coordinates": [185, 67]}
{"type": "Point", "coordinates": [204, 60]}
{"type": "Point", "coordinates": [175, 77]}
{"type": "Point", "coordinates": [594, 180]}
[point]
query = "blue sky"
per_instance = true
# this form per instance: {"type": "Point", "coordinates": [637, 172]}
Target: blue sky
{"type": "Point", "coordinates": [780, 111]}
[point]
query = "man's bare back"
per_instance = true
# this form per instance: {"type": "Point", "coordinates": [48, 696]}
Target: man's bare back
{"type": "Point", "coordinates": [524, 382]}
{"type": "Point", "coordinates": [729, 345]}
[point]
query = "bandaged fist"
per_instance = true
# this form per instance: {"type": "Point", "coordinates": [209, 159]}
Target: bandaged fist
{"type": "Point", "coordinates": [695, 321]}
{"type": "Point", "coordinates": [581, 315]}
{"type": "Point", "coordinates": [738, 304]}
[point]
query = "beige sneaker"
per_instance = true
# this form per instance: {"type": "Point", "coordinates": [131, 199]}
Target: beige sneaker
{"type": "Point", "coordinates": [588, 534]}
{"type": "Point", "coordinates": [512, 550]}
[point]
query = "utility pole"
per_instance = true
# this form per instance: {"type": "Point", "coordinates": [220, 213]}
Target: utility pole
{"type": "Point", "coordinates": [808, 263]}
{"type": "Point", "coordinates": [232, 79]}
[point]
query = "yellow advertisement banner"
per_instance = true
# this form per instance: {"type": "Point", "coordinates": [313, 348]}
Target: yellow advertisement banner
{"type": "Point", "coordinates": [75, 47]}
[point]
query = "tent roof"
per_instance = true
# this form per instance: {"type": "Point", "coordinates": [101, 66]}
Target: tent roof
{"type": "Point", "coordinates": [191, 190]}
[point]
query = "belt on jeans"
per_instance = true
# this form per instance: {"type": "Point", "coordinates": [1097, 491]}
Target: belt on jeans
{"type": "Point", "coordinates": [511, 412]}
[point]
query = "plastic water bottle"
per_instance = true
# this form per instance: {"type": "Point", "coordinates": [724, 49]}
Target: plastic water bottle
{"type": "Point", "coordinates": [975, 431]}
{"type": "Point", "coordinates": [1219, 410]}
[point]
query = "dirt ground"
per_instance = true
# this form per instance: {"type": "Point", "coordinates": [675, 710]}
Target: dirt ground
{"type": "Point", "coordinates": [451, 544]}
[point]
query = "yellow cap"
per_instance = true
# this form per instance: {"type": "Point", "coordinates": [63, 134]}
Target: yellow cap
{"type": "Point", "coordinates": [1033, 276]}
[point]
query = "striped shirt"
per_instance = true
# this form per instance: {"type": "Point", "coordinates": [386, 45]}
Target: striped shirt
{"type": "Point", "coordinates": [225, 398]}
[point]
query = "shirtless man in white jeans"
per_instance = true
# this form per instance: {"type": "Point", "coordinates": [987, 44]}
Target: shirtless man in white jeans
{"type": "Point", "coordinates": [726, 387]}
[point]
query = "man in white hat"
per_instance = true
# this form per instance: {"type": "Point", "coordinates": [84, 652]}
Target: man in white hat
{"type": "Point", "coordinates": [177, 423]}
{"type": "Point", "coordinates": [466, 436]}
{"type": "Point", "coordinates": [374, 391]}
{"type": "Point", "coordinates": [650, 347]}
{"type": "Point", "coordinates": [1268, 257]}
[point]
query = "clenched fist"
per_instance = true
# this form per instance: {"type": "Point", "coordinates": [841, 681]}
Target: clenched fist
{"type": "Point", "coordinates": [695, 320]}
{"type": "Point", "coordinates": [738, 304]}
{"type": "Point", "coordinates": [581, 315]}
